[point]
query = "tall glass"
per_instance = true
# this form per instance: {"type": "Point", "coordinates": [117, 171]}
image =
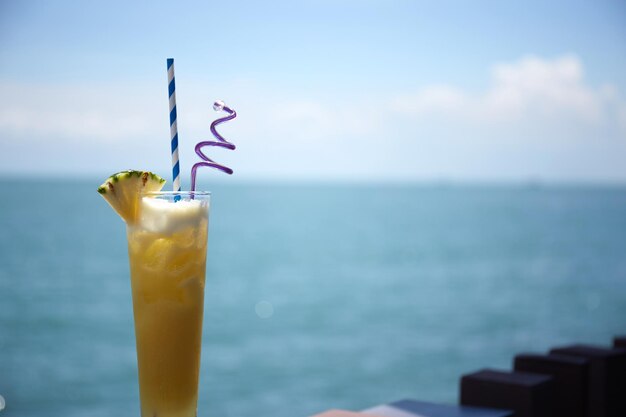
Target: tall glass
{"type": "Point", "coordinates": [167, 250]}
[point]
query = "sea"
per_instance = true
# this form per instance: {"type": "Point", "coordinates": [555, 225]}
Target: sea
{"type": "Point", "coordinates": [318, 295]}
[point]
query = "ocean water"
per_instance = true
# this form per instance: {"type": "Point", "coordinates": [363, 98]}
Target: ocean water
{"type": "Point", "coordinates": [317, 296]}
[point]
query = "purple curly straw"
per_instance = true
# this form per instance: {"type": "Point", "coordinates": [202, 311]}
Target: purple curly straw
{"type": "Point", "coordinates": [221, 142]}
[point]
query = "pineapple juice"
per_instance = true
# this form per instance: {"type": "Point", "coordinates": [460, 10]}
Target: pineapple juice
{"type": "Point", "coordinates": [167, 250]}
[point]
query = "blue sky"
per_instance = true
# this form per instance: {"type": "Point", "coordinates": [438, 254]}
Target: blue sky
{"type": "Point", "coordinates": [330, 90]}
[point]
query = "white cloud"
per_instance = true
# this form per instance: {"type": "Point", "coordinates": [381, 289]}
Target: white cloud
{"type": "Point", "coordinates": [531, 90]}
{"type": "Point", "coordinates": [537, 117]}
{"type": "Point", "coordinates": [432, 99]}
{"type": "Point", "coordinates": [106, 113]}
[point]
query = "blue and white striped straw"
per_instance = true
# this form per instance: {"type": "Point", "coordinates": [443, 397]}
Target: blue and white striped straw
{"type": "Point", "coordinates": [173, 125]}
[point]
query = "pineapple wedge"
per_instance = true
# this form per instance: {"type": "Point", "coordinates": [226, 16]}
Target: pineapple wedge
{"type": "Point", "coordinates": [123, 191]}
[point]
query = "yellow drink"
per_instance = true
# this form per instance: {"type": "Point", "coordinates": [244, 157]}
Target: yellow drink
{"type": "Point", "coordinates": [167, 250]}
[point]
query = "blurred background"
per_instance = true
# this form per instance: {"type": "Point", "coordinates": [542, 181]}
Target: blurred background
{"type": "Point", "coordinates": [421, 189]}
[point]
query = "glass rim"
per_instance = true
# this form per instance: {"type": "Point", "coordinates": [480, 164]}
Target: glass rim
{"type": "Point", "coordinates": [176, 194]}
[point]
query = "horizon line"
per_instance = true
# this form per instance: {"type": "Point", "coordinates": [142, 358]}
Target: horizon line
{"type": "Point", "coordinates": [425, 181]}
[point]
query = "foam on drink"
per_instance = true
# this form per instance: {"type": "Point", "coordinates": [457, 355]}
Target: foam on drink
{"type": "Point", "coordinates": [167, 217]}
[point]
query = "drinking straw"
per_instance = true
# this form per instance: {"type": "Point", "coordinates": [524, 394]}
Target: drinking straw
{"type": "Point", "coordinates": [220, 142]}
{"type": "Point", "coordinates": [173, 125]}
